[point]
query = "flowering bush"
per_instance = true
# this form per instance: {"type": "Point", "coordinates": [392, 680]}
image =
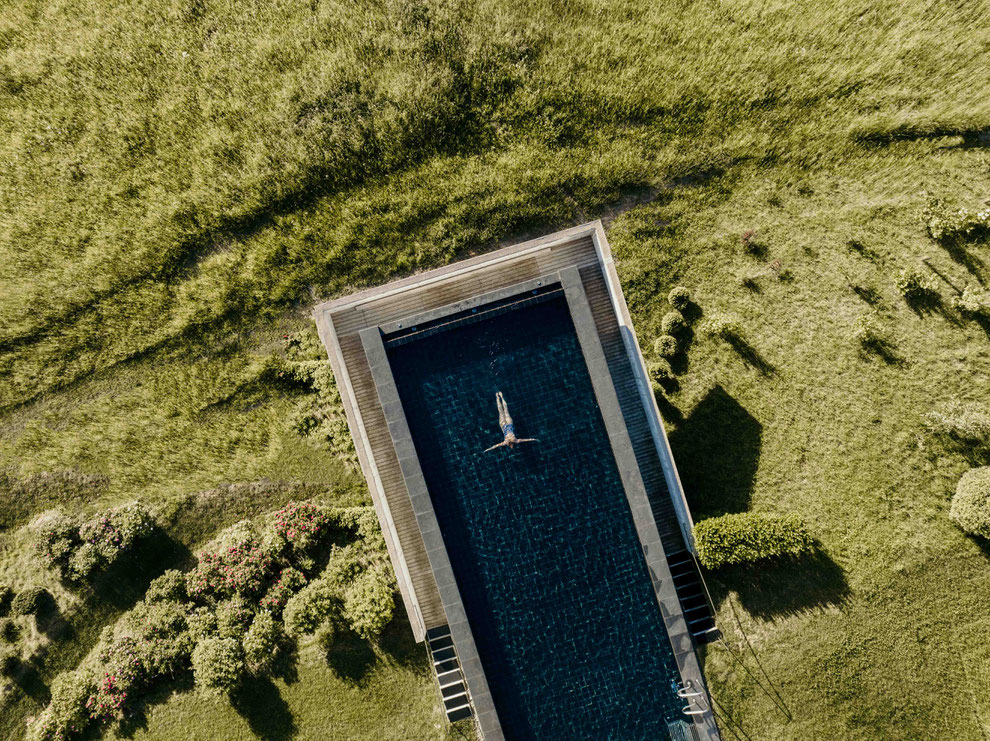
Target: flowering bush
{"type": "Point", "coordinates": [236, 563]}
{"type": "Point", "coordinates": [218, 665]}
{"type": "Point", "coordinates": [955, 225]}
{"type": "Point", "coordinates": [67, 715]}
{"type": "Point", "coordinates": [117, 530]}
{"type": "Point", "coordinates": [301, 526]}
{"type": "Point", "coordinates": [56, 536]}
{"type": "Point", "coordinates": [317, 603]}
{"type": "Point", "coordinates": [289, 582]}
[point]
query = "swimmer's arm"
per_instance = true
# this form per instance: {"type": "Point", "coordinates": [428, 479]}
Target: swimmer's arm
{"type": "Point", "coordinates": [497, 445]}
{"type": "Point", "coordinates": [528, 440]}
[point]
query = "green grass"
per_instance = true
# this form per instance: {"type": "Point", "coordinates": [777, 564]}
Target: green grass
{"type": "Point", "coordinates": [183, 181]}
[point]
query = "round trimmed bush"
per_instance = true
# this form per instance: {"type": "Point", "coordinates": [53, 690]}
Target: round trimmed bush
{"type": "Point", "coordinates": [218, 665]}
{"type": "Point", "coordinates": [29, 602]}
{"type": "Point", "coordinates": [660, 371]}
{"type": "Point", "coordinates": [56, 537]}
{"type": "Point", "coordinates": [971, 504]}
{"type": "Point", "coordinates": [665, 346]}
{"type": "Point", "coordinates": [720, 325]}
{"type": "Point", "coordinates": [679, 297]}
{"type": "Point", "coordinates": [673, 323]}
{"type": "Point", "coordinates": [749, 537]}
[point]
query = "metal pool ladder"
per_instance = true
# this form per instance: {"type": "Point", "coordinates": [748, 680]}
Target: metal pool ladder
{"type": "Point", "coordinates": [453, 690]}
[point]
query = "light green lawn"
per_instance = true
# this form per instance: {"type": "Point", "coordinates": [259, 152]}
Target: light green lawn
{"type": "Point", "coordinates": [183, 181]}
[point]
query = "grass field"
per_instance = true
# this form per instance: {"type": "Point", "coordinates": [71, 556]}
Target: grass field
{"type": "Point", "coordinates": [182, 181]}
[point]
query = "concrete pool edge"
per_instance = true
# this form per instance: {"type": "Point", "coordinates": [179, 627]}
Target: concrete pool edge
{"type": "Point", "coordinates": [682, 646]}
{"type": "Point", "coordinates": [412, 474]}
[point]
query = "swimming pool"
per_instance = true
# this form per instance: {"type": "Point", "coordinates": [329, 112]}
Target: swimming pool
{"type": "Point", "coordinates": [541, 539]}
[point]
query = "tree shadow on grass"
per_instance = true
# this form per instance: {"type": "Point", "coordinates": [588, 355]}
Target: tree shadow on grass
{"type": "Point", "coordinates": [136, 718]}
{"type": "Point", "coordinates": [785, 587]}
{"type": "Point", "coordinates": [261, 704]}
{"type": "Point", "coordinates": [29, 680]}
{"type": "Point", "coordinates": [398, 645]}
{"type": "Point", "coordinates": [124, 583]}
{"type": "Point", "coordinates": [51, 621]}
{"type": "Point", "coordinates": [717, 449]}
{"type": "Point", "coordinates": [750, 355]}
{"type": "Point", "coordinates": [351, 657]}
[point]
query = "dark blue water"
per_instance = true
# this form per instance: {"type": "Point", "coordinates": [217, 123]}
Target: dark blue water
{"type": "Point", "coordinates": [541, 539]}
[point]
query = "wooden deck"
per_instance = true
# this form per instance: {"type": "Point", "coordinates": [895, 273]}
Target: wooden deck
{"type": "Point", "coordinates": [340, 323]}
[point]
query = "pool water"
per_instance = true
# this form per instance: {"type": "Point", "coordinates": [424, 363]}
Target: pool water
{"type": "Point", "coordinates": [541, 539]}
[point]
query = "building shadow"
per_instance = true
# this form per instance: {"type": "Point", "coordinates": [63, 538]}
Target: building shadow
{"type": "Point", "coordinates": [717, 449]}
{"type": "Point", "coordinates": [786, 587]}
{"type": "Point", "coordinates": [261, 704]}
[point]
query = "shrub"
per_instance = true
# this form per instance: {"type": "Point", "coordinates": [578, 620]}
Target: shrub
{"type": "Point", "coordinates": [971, 504]}
{"type": "Point", "coordinates": [235, 563]}
{"type": "Point", "coordinates": [973, 301]}
{"type": "Point", "coordinates": [955, 225]}
{"type": "Point", "coordinates": [748, 537]}
{"type": "Point", "coordinates": [9, 631]}
{"type": "Point", "coordinates": [369, 602]}
{"type": "Point", "coordinates": [202, 623]}
{"type": "Point", "coordinates": [85, 562]}
{"type": "Point", "coordinates": [6, 595]}
{"type": "Point", "coordinates": [679, 297]}
{"type": "Point", "coordinates": [56, 537]}
{"type": "Point", "coordinates": [218, 665]}
{"type": "Point", "coordinates": [67, 715]}
{"type": "Point", "coordinates": [673, 323]}
{"type": "Point", "coordinates": [116, 531]}
{"type": "Point", "coordinates": [660, 371]}
{"type": "Point", "coordinates": [870, 332]}
{"type": "Point", "coordinates": [29, 601]}
{"type": "Point", "coordinates": [314, 605]}
{"type": "Point", "coordinates": [261, 643]}
{"type": "Point", "coordinates": [233, 617]}
{"type": "Point", "coordinates": [959, 422]}
{"type": "Point", "coordinates": [169, 587]}
{"type": "Point", "coordinates": [301, 526]}
{"type": "Point", "coordinates": [289, 582]}
{"type": "Point", "coordinates": [915, 285]}
{"type": "Point", "coordinates": [665, 346]}
{"type": "Point", "coordinates": [721, 326]}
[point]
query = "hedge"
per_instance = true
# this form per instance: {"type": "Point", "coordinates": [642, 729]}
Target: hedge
{"type": "Point", "coordinates": [750, 537]}
{"type": "Point", "coordinates": [218, 665]}
{"type": "Point", "coordinates": [971, 504]}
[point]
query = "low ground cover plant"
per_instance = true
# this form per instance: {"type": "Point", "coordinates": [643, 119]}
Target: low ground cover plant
{"type": "Point", "coordinates": [224, 619]}
{"type": "Point", "coordinates": [955, 225]}
{"type": "Point", "coordinates": [971, 503]}
{"type": "Point", "coordinates": [750, 537]}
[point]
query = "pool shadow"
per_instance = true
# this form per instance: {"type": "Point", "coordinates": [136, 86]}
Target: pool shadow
{"type": "Point", "coordinates": [786, 587]}
{"type": "Point", "coordinates": [261, 704]}
{"type": "Point", "coordinates": [717, 449]}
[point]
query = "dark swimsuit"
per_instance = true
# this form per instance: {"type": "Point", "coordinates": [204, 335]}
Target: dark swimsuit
{"type": "Point", "coordinates": [508, 429]}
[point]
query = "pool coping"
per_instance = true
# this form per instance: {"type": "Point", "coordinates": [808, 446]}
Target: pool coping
{"type": "Point", "coordinates": [372, 339]}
